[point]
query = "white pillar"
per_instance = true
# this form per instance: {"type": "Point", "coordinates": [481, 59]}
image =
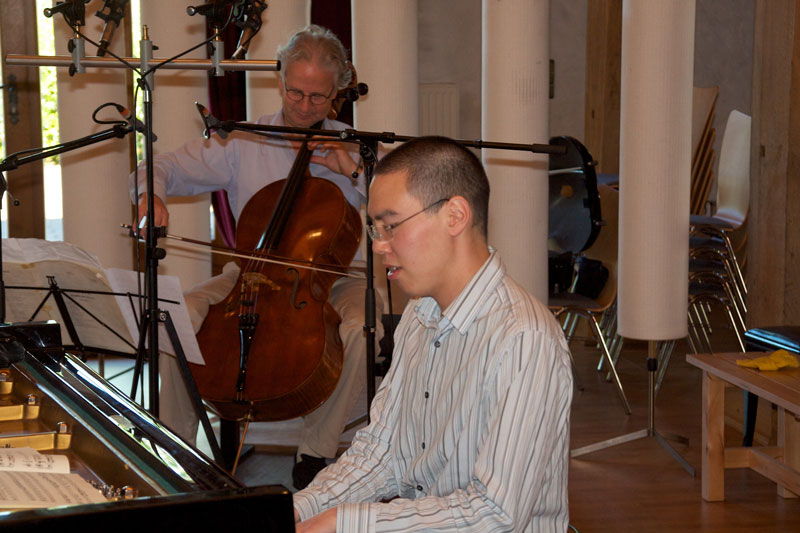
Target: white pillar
{"type": "Point", "coordinates": [385, 57]}
{"type": "Point", "coordinates": [175, 120]}
{"type": "Point", "coordinates": [515, 89]}
{"type": "Point", "coordinates": [278, 23]}
{"type": "Point", "coordinates": [655, 167]}
{"type": "Point", "coordinates": [94, 179]}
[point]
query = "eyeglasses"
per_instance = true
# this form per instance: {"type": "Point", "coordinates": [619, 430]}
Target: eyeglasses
{"type": "Point", "coordinates": [296, 95]}
{"type": "Point", "coordinates": [387, 232]}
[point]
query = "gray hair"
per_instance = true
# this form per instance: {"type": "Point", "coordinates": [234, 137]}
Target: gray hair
{"type": "Point", "coordinates": [318, 44]}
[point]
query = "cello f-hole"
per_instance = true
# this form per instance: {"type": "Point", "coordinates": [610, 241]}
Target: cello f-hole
{"type": "Point", "coordinates": [293, 298]}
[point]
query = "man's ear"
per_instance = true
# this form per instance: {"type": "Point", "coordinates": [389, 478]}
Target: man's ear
{"type": "Point", "coordinates": [459, 215]}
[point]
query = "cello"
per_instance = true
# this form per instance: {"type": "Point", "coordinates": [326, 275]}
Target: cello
{"type": "Point", "coordinates": [290, 353]}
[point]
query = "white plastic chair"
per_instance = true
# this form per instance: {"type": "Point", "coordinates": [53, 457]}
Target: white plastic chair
{"type": "Point", "coordinates": [710, 235]}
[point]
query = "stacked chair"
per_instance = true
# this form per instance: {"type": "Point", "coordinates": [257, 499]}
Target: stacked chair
{"type": "Point", "coordinates": [717, 242]}
{"type": "Point", "coordinates": [703, 135]}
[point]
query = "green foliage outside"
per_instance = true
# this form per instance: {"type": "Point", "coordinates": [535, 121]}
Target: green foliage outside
{"type": "Point", "coordinates": [47, 86]}
{"type": "Point", "coordinates": [47, 81]}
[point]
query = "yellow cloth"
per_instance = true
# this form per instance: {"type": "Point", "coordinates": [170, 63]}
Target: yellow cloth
{"type": "Point", "coordinates": [773, 361]}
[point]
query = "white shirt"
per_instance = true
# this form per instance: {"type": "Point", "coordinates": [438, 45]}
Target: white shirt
{"type": "Point", "coordinates": [470, 428]}
{"type": "Point", "coordinates": [241, 165]}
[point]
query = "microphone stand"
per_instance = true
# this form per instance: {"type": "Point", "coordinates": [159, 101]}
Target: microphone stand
{"type": "Point", "coordinates": [368, 149]}
{"type": "Point", "coordinates": [3, 189]}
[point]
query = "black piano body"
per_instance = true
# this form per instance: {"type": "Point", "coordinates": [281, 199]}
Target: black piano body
{"type": "Point", "coordinates": [52, 402]}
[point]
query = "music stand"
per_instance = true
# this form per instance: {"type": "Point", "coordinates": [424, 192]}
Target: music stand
{"type": "Point", "coordinates": [96, 307]}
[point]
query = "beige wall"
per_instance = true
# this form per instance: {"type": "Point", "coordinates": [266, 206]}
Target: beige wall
{"type": "Point", "coordinates": [450, 44]}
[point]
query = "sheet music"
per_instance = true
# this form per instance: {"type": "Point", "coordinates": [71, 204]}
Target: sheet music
{"type": "Point", "coordinates": [29, 479]}
{"type": "Point", "coordinates": [30, 490]}
{"type": "Point", "coordinates": [30, 460]}
{"type": "Point", "coordinates": [29, 262]}
{"type": "Point", "coordinates": [169, 290]}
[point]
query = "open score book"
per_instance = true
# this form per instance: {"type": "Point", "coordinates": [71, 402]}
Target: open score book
{"type": "Point", "coordinates": [29, 479]}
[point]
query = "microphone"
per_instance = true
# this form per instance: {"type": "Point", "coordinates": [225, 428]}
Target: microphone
{"type": "Point", "coordinates": [74, 11]}
{"type": "Point", "coordinates": [204, 9]}
{"type": "Point", "coordinates": [351, 94]}
{"type": "Point", "coordinates": [131, 119]}
{"type": "Point", "coordinates": [210, 122]}
{"type": "Point", "coordinates": [112, 13]}
{"type": "Point", "coordinates": [216, 11]}
{"type": "Point", "coordinates": [250, 26]}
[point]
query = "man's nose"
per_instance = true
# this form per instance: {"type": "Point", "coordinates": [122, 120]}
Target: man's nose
{"type": "Point", "coordinates": [305, 103]}
{"type": "Point", "coordinates": [381, 247]}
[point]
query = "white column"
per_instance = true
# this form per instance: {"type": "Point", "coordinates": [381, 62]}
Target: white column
{"type": "Point", "coordinates": [655, 167]}
{"type": "Point", "coordinates": [385, 57]}
{"type": "Point", "coordinates": [175, 120]}
{"type": "Point", "coordinates": [279, 22]}
{"type": "Point", "coordinates": [94, 179]}
{"type": "Point", "coordinates": [515, 89]}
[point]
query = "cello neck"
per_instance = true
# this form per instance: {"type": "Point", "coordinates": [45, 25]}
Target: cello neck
{"type": "Point", "coordinates": [277, 223]}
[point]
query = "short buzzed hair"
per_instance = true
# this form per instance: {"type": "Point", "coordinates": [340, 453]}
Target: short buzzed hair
{"type": "Point", "coordinates": [315, 43]}
{"type": "Point", "coordinates": [440, 168]}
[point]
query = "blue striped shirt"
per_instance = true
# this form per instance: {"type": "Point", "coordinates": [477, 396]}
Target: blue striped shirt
{"type": "Point", "coordinates": [470, 428]}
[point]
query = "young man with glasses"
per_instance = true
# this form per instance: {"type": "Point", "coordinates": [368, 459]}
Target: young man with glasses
{"type": "Point", "coordinates": [314, 69]}
{"type": "Point", "coordinates": [470, 427]}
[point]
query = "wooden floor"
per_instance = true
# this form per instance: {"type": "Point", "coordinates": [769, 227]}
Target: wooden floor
{"type": "Point", "coordinates": [636, 486]}
{"type": "Point", "coordinates": [639, 486]}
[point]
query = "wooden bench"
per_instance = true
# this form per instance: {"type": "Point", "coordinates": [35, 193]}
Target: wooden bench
{"type": "Point", "coordinates": [779, 463]}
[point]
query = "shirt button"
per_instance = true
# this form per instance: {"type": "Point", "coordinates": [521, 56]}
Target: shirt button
{"type": "Point", "coordinates": [427, 395]}
{"type": "Point", "coordinates": [437, 344]}
{"type": "Point", "coordinates": [423, 445]}
{"type": "Point", "coordinates": [419, 488]}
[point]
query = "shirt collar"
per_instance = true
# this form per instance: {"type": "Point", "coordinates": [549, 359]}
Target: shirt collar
{"type": "Point", "coordinates": [277, 120]}
{"type": "Point", "coordinates": [465, 308]}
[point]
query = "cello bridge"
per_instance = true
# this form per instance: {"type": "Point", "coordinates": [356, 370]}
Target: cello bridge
{"type": "Point", "coordinates": [252, 280]}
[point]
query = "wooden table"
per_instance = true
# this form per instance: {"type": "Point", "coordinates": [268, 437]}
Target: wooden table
{"type": "Point", "coordinates": [779, 463]}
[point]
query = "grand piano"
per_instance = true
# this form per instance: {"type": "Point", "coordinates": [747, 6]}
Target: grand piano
{"type": "Point", "coordinates": [52, 402]}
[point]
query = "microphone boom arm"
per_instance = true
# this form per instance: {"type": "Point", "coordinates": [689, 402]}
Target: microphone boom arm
{"type": "Point", "coordinates": [353, 135]}
{"type": "Point", "coordinates": [16, 160]}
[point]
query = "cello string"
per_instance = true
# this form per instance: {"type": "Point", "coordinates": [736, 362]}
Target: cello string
{"type": "Point", "coordinates": [271, 234]}
{"type": "Point", "coordinates": [290, 192]}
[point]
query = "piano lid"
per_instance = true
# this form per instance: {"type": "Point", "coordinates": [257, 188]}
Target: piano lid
{"type": "Point", "coordinates": [52, 402]}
